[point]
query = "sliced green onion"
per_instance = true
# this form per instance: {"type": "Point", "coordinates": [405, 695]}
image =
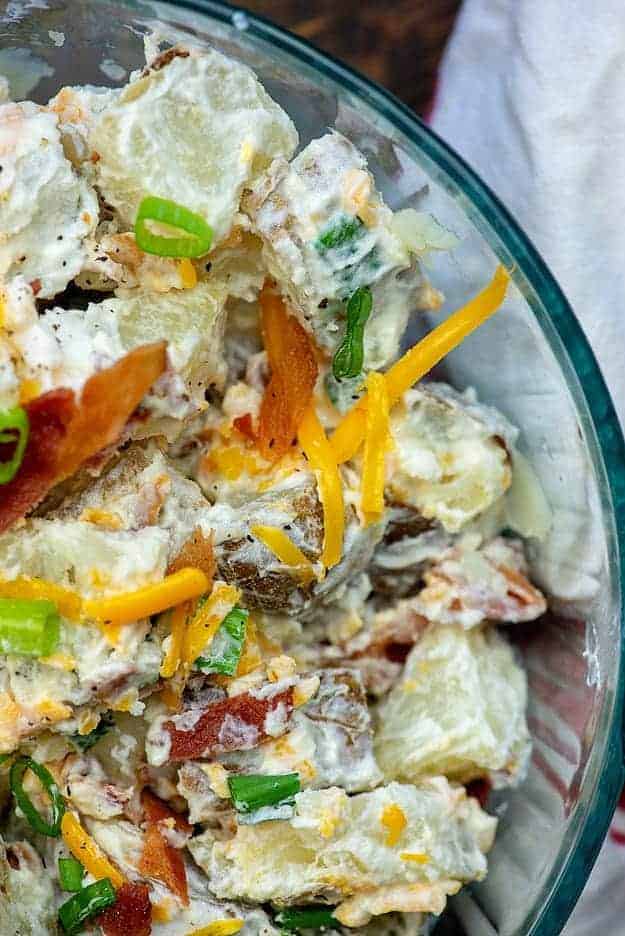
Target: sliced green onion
{"type": "Point", "coordinates": [227, 644]}
{"type": "Point", "coordinates": [349, 356]}
{"type": "Point", "coordinates": [91, 900]}
{"type": "Point", "coordinates": [341, 230]}
{"type": "Point", "coordinates": [314, 917]}
{"type": "Point", "coordinates": [71, 873]}
{"type": "Point", "coordinates": [14, 428]}
{"type": "Point", "coordinates": [34, 817]}
{"type": "Point", "coordinates": [29, 628]}
{"type": "Point", "coordinates": [85, 742]}
{"type": "Point", "coordinates": [199, 235]}
{"type": "Point", "coordinates": [252, 791]}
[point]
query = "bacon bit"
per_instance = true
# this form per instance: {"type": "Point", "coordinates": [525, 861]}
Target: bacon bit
{"type": "Point", "coordinates": [155, 810]}
{"type": "Point", "coordinates": [196, 553]}
{"type": "Point", "coordinates": [245, 425]}
{"type": "Point", "coordinates": [159, 859]}
{"type": "Point", "coordinates": [95, 157]}
{"type": "Point", "coordinates": [35, 285]}
{"type": "Point", "coordinates": [50, 416]}
{"type": "Point", "coordinates": [130, 915]}
{"type": "Point", "coordinates": [65, 433]}
{"type": "Point", "coordinates": [293, 374]}
{"type": "Point", "coordinates": [209, 736]}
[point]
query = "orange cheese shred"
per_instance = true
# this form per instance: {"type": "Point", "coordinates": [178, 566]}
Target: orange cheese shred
{"type": "Point", "coordinates": [377, 438]}
{"type": "Point", "coordinates": [85, 850]}
{"type": "Point", "coordinates": [322, 460]}
{"type": "Point", "coordinates": [420, 359]}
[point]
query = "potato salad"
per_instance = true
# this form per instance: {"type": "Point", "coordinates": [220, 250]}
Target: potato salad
{"type": "Point", "coordinates": [256, 566]}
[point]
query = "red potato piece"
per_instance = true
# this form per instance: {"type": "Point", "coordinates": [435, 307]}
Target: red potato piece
{"type": "Point", "coordinates": [237, 723]}
{"type": "Point", "coordinates": [65, 433]}
{"type": "Point", "coordinates": [130, 915]}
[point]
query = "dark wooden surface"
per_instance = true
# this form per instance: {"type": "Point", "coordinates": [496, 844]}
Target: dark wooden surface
{"type": "Point", "coordinates": [398, 43]}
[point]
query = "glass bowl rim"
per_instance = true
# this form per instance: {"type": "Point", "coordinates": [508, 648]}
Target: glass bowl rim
{"type": "Point", "coordinates": [594, 825]}
{"type": "Point", "coordinates": [611, 444]}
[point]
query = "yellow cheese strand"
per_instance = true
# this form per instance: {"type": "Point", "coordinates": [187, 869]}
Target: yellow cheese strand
{"type": "Point", "coordinates": [219, 928]}
{"type": "Point", "coordinates": [68, 603]}
{"type": "Point", "coordinates": [173, 657]}
{"type": "Point", "coordinates": [87, 852]}
{"type": "Point", "coordinates": [205, 623]}
{"type": "Point", "coordinates": [377, 434]}
{"type": "Point", "coordinates": [322, 460]}
{"type": "Point", "coordinates": [285, 550]}
{"type": "Point", "coordinates": [152, 599]}
{"type": "Point", "coordinates": [420, 359]}
{"type": "Point", "coordinates": [188, 275]}
{"type": "Point", "coordinates": [415, 857]}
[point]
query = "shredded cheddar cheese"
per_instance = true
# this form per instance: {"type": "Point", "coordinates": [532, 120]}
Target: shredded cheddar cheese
{"type": "Point", "coordinates": [420, 359]}
{"type": "Point", "coordinates": [103, 518]}
{"type": "Point", "coordinates": [152, 599]}
{"type": "Point", "coordinates": [414, 857]}
{"type": "Point", "coordinates": [322, 460]}
{"type": "Point", "coordinates": [377, 436]}
{"type": "Point", "coordinates": [251, 657]}
{"type": "Point", "coordinates": [188, 275]}
{"type": "Point", "coordinates": [173, 656]}
{"type": "Point", "coordinates": [53, 711]}
{"type": "Point", "coordinates": [205, 623]}
{"type": "Point", "coordinates": [34, 589]}
{"type": "Point", "coordinates": [85, 850]}
{"type": "Point", "coordinates": [285, 550]}
{"type": "Point", "coordinates": [393, 819]}
{"type": "Point", "coordinates": [231, 461]}
{"type": "Point", "coordinates": [219, 928]}
{"type": "Point", "coordinates": [29, 389]}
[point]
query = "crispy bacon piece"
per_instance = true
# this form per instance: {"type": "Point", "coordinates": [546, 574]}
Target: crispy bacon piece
{"type": "Point", "coordinates": [130, 915]}
{"type": "Point", "coordinates": [159, 859]}
{"type": "Point", "coordinates": [196, 552]}
{"type": "Point", "coordinates": [236, 723]}
{"type": "Point", "coordinates": [65, 432]}
{"type": "Point", "coordinates": [245, 425]}
{"type": "Point", "coordinates": [155, 811]}
{"type": "Point", "coordinates": [293, 374]}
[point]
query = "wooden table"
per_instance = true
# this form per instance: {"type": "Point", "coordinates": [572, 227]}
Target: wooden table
{"type": "Point", "coordinates": [398, 43]}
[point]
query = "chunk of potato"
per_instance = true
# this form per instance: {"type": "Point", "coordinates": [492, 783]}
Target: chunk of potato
{"type": "Point", "coordinates": [458, 710]}
{"type": "Point", "coordinates": [195, 129]}
{"type": "Point", "coordinates": [46, 209]}
{"type": "Point", "coordinates": [338, 848]}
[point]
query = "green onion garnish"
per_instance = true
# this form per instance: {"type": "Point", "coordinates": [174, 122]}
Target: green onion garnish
{"type": "Point", "coordinates": [36, 820]}
{"type": "Point", "coordinates": [86, 903]}
{"type": "Point", "coordinates": [14, 428]}
{"type": "Point", "coordinates": [253, 791]}
{"type": "Point", "coordinates": [227, 644]}
{"type": "Point", "coordinates": [349, 357]}
{"type": "Point", "coordinates": [71, 873]}
{"type": "Point", "coordinates": [314, 917]}
{"type": "Point", "coordinates": [338, 232]}
{"type": "Point", "coordinates": [29, 628]}
{"type": "Point", "coordinates": [199, 235]}
{"type": "Point", "coordinates": [85, 742]}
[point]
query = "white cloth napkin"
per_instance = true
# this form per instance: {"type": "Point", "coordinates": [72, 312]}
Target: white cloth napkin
{"type": "Point", "coordinates": [532, 94]}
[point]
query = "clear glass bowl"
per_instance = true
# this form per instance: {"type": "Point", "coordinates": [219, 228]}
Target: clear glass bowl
{"type": "Point", "coordinates": [531, 360]}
